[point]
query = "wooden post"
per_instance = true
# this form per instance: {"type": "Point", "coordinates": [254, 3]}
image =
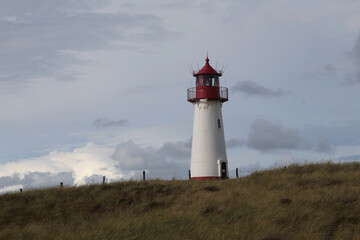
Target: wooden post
{"type": "Point", "coordinates": [143, 175]}
{"type": "Point", "coordinates": [20, 189]}
{"type": "Point", "coordinates": [103, 179]}
{"type": "Point", "coordinates": [189, 175]}
{"type": "Point", "coordinates": [237, 173]}
{"type": "Point", "coordinates": [61, 184]}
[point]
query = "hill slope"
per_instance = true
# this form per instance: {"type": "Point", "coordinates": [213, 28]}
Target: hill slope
{"type": "Point", "coordinates": [316, 201]}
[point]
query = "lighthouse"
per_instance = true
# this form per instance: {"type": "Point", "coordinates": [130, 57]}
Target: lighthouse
{"type": "Point", "coordinates": [208, 153]}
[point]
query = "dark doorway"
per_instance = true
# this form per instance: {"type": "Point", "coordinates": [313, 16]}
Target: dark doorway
{"type": "Point", "coordinates": [223, 170]}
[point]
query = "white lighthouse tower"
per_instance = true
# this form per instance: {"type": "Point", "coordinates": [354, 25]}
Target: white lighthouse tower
{"type": "Point", "coordinates": [208, 153]}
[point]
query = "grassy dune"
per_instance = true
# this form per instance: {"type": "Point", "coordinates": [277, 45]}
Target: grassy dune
{"type": "Point", "coordinates": [315, 201]}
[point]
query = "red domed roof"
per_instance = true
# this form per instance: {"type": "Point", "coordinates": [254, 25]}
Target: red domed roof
{"type": "Point", "coordinates": [207, 70]}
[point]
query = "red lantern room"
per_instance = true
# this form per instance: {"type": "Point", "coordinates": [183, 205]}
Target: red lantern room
{"type": "Point", "coordinates": [207, 85]}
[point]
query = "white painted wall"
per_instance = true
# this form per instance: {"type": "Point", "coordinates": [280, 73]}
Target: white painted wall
{"type": "Point", "coordinates": [208, 142]}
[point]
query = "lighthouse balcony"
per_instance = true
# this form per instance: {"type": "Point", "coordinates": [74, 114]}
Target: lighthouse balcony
{"type": "Point", "coordinates": [207, 92]}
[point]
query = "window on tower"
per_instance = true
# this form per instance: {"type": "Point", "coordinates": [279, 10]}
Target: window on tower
{"type": "Point", "coordinates": [215, 81]}
{"type": "Point", "coordinates": [218, 122]}
{"type": "Point", "coordinates": [207, 82]}
{"type": "Point", "coordinates": [199, 81]}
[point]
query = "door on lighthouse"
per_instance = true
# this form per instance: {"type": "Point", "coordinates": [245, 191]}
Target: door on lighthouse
{"type": "Point", "coordinates": [223, 170]}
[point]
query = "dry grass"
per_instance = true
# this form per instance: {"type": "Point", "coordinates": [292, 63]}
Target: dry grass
{"type": "Point", "coordinates": [315, 201]}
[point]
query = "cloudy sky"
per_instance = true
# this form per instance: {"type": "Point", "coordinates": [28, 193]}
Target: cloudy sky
{"type": "Point", "coordinates": [98, 87]}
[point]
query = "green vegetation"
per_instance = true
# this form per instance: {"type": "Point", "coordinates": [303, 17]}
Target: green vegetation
{"type": "Point", "coordinates": [314, 201]}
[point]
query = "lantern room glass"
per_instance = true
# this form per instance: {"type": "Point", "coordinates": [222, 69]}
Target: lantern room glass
{"type": "Point", "coordinates": [207, 80]}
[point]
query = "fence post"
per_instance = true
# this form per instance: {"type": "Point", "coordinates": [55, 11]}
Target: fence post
{"type": "Point", "coordinates": [103, 179]}
{"type": "Point", "coordinates": [143, 175]}
{"type": "Point", "coordinates": [20, 189]}
{"type": "Point", "coordinates": [237, 173]}
{"type": "Point", "coordinates": [189, 175]}
{"type": "Point", "coordinates": [61, 184]}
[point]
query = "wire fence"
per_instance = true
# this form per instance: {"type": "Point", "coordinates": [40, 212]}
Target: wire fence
{"type": "Point", "coordinates": [141, 175]}
{"type": "Point", "coordinates": [180, 175]}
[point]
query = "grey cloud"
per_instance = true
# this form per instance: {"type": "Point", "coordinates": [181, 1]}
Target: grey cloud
{"type": "Point", "coordinates": [355, 55]}
{"type": "Point", "coordinates": [327, 70]}
{"type": "Point", "coordinates": [102, 123]}
{"type": "Point", "coordinates": [44, 179]}
{"type": "Point", "coordinates": [38, 40]}
{"type": "Point", "coordinates": [324, 146]}
{"type": "Point", "coordinates": [93, 179]}
{"type": "Point", "coordinates": [268, 137]}
{"type": "Point", "coordinates": [177, 150]}
{"type": "Point", "coordinates": [265, 136]}
{"type": "Point", "coordinates": [10, 180]}
{"type": "Point", "coordinates": [37, 179]}
{"type": "Point", "coordinates": [234, 143]}
{"type": "Point", "coordinates": [177, 4]}
{"type": "Point", "coordinates": [251, 88]}
{"type": "Point", "coordinates": [356, 52]}
{"type": "Point", "coordinates": [15, 8]}
{"type": "Point", "coordinates": [172, 155]}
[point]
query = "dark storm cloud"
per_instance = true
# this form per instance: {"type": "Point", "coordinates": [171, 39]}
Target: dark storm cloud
{"type": "Point", "coordinates": [251, 88]}
{"type": "Point", "coordinates": [37, 179]}
{"type": "Point", "coordinates": [172, 155]}
{"type": "Point", "coordinates": [266, 136]}
{"type": "Point", "coordinates": [102, 123]}
{"type": "Point", "coordinates": [37, 39]}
